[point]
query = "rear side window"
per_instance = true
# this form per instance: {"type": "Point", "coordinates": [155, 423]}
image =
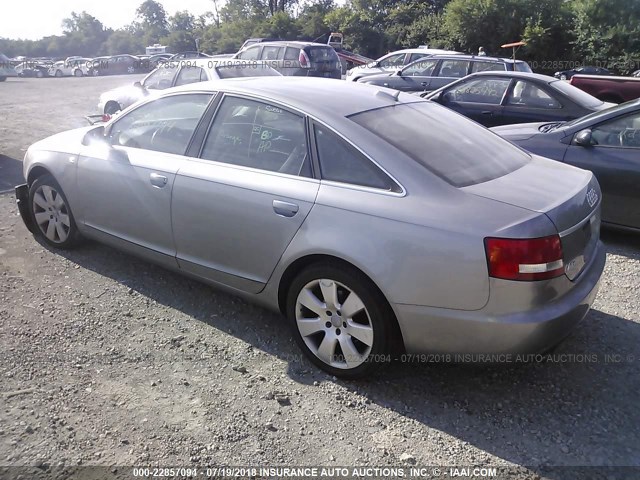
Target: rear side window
{"type": "Point", "coordinates": [258, 135]}
{"type": "Point", "coordinates": [486, 67]}
{"type": "Point", "coordinates": [457, 150]}
{"type": "Point", "coordinates": [340, 162]}
{"type": "Point", "coordinates": [454, 68]}
{"type": "Point", "coordinates": [526, 94]}
{"type": "Point", "coordinates": [292, 53]}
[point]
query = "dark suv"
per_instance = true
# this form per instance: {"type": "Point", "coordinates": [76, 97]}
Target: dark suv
{"type": "Point", "coordinates": [304, 59]}
{"type": "Point", "coordinates": [427, 74]}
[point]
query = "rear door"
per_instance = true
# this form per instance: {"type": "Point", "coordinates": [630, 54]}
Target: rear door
{"type": "Point", "coordinates": [449, 71]}
{"type": "Point", "coordinates": [615, 161]}
{"type": "Point", "coordinates": [236, 208]}
{"type": "Point", "coordinates": [480, 99]}
{"type": "Point", "coordinates": [528, 102]}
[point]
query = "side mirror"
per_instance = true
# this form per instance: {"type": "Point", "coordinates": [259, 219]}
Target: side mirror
{"type": "Point", "coordinates": [446, 97]}
{"type": "Point", "coordinates": [584, 138]}
{"type": "Point", "coordinates": [399, 73]}
{"type": "Point", "coordinates": [93, 135]}
{"type": "Point", "coordinates": [138, 85]}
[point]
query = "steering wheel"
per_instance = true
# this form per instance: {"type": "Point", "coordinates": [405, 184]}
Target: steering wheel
{"type": "Point", "coordinates": [629, 137]}
{"type": "Point", "coordinates": [166, 128]}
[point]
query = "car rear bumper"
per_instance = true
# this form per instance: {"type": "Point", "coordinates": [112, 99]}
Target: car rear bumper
{"type": "Point", "coordinates": [534, 330]}
{"type": "Point", "coordinates": [22, 200]}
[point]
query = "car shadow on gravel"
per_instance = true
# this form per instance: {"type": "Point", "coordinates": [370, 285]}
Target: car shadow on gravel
{"type": "Point", "coordinates": [577, 407]}
{"type": "Point", "coordinates": [10, 173]}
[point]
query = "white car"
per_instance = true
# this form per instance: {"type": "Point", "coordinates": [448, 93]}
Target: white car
{"type": "Point", "coordinates": [69, 67]}
{"type": "Point", "coordinates": [393, 61]}
{"type": "Point", "coordinates": [173, 73]}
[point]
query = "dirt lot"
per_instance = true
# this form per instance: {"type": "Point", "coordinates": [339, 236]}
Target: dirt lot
{"type": "Point", "coordinates": [108, 360]}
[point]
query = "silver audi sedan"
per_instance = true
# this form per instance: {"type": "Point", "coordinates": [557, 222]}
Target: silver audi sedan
{"type": "Point", "coordinates": [378, 222]}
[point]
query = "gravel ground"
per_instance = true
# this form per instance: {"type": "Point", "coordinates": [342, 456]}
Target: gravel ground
{"type": "Point", "coordinates": [108, 360]}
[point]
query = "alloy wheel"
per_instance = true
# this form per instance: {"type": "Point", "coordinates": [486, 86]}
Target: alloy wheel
{"type": "Point", "coordinates": [51, 214]}
{"type": "Point", "coordinates": [334, 323]}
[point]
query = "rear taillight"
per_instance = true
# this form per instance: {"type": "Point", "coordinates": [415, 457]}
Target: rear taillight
{"type": "Point", "coordinates": [304, 60]}
{"type": "Point", "coordinates": [524, 259]}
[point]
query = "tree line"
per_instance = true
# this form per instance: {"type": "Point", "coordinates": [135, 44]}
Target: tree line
{"type": "Point", "coordinates": [559, 33]}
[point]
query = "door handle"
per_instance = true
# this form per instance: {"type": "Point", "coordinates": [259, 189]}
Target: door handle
{"type": "Point", "coordinates": [158, 180]}
{"type": "Point", "coordinates": [424, 84]}
{"type": "Point", "coordinates": [285, 209]}
{"type": "Point", "coordinates": [487, 112]}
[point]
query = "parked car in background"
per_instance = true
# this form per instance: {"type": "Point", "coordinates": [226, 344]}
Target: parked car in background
{"type": "Point", "coordinates": [609, 89]}
{"type": "Point", "coordinates": [393, 61]}
{"type": "Point", "coordinates": [606, 143]}
{"type": "Point", "coordinates": [305, 59]}
{"type": "Point", "coordinates": [6, 68]}
{"type": "Point", "coordinates": [501, 98]}
{"type": "Point", "coordinates": [588, 70]}
{"type": "Point", "coordinates": [114, 65]}
{"type": "Point", "coordinates": [176, 73]}
{"type": "Point", "coordinates": [190, 54]}
{"type": "Point", "coordinates": [636, 73]}
{"type": "Point", "coordinates": [32, 69]}
{"type": "Point", "coordinates": [253, 41]}
{"type": "Point", "coordinates": [67, 68]}
{"type": "Point", "coordinates": [288, 190]}
{"type": "Point", "coordinates": [431, 73]}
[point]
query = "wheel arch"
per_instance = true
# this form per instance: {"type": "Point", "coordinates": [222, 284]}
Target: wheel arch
{"type": "Point", "coordinates": [36, 172]}
{"type": "Point", "coordinates": [298, 265]}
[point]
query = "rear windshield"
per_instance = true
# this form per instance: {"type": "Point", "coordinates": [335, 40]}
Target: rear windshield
{"type": "Point", "coordinates": [523, 67]}
{"type": "Point", "coordinates": [577, 95]}
{"type": "Point", "coordinates": [245, 70]}
{"type": "Point", "coordinates": [321, 54]}
{"type": "Point", "coordinates": [456, 149]}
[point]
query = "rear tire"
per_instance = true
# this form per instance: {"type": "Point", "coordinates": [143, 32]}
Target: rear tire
{"type": "Point", "coordinates": [111, 108]}
{"type": "Point", "coordinates": [340, 320]}
{"type": "Point", "coordinates": [77, 73]}
{"type": "Point", "coordinates": [51, 213]}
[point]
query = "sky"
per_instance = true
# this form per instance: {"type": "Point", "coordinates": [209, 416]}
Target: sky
{"type": "Point", "coordinates": [34, 19]}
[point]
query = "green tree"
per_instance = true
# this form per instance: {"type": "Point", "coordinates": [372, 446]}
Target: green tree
{"type": "Point", "coordinates": [151, 22]}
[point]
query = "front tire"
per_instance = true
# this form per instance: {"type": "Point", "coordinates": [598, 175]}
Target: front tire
{"type": "Point", "coordinates": [77, 73]}
{"type": "Point", "coordinates": [51, 213]}
{"type": "Point", "coordinates": [340, 320]}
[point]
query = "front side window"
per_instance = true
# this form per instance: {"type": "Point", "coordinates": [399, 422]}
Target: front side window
{"type": "Point", "coordinates": [161, 78]}
{"type": "Point", "coordinates": [253, 134]}
{"type": "Point", "coordinates": [422, 68]}
{"type": "Point", "coordinates": [190, 74]}
{"type": "Point", "coordinates": [164, 125]}
{"type": "Point", "coordinates": [393, 61]}
{"type": "Point", "coordinates": [484, 90]}
{"type": "Point", "coordinates": [417, 56]}
{"type": "Point", "coordinates": [620, 132]}
{"type": "Point", "coordinates": [340, 162]}
{"type": "Point", "coordinates": [457, 150]}
{"type": "Point", "coordinates": [527, 94]}
{"type": "Point", "coordinates": [454, 68]}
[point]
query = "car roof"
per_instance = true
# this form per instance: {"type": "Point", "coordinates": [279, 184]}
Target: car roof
{"type": "Point", "coordinates": [432, 51]}
{"type": "Point", "coordinates": [321, 97]}
{"type": "Point", "coordinates": [287, 43]}
{"type": "Point", "coordinates": [515, 74]}
{"type": "Point", "coordinates": [463, 56]}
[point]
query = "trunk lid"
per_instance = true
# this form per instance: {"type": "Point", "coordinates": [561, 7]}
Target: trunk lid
{"type": "Point", "coordinates": [568, 196]}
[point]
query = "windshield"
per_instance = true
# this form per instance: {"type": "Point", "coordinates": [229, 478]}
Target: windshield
{"type": "Point", "coordinates": [459, 151]}
{"type": "Point", "coordinates": [577, 95]}
{"type": "Point", "coordinates": [601, 113]}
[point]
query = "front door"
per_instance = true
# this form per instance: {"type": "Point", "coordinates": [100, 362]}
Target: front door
{"type": "Point", "coordinates": [615, 160]}
{"type": "Point", "coordinates": [125, 188]}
